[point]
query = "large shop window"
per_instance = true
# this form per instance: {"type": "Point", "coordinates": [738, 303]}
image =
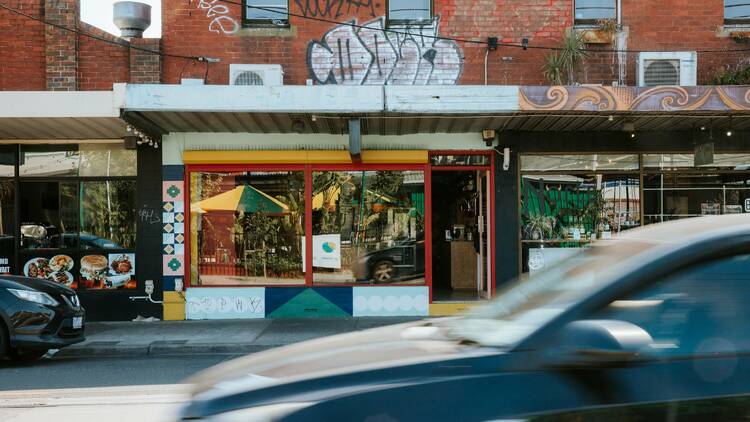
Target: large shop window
{"type": "Point", "coordinates": [568, 201]}
{"type": "Point", "coordinates": [247, 228]}
{"type": "Point", "coordinates": [368, 226]}
{"type": "Point", "coordinates": [77, 215]}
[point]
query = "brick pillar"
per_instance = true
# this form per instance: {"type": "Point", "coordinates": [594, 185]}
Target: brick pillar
{"type": "Point", "coordinates": [60, 45]}
{"type": "Point", "coordinates": [145, 68]}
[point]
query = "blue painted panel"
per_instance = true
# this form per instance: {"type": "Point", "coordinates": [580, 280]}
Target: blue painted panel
{"type": "Point", "coordinates": [391, 301]}
{"type": "Point", "coordinates": [173, 172]}
{"type": "Point", "coordinates": [339, 296]}
{"type": "Point", "coordinates": [277, 296]}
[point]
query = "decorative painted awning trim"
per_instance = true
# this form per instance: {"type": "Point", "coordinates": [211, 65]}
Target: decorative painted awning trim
{"type": "Point", "coordinates": [641, 99]}
{"type": "Point", "coordinates": [304, 157]}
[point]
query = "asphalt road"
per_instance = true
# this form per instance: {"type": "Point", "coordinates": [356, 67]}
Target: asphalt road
{"type": "Point", "coordinates": [78, 372]}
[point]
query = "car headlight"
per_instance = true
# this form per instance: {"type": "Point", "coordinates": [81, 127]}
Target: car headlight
{"type": "Point", "coordinates": [268, 413]}
{"type": "Point", "coordinates": [34, 296]}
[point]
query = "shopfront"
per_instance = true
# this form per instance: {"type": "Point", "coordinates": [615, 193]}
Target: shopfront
{"type": "Point", "coordinates": [318, 235]}
{"type": "Point", "coordinates": [568, 201]}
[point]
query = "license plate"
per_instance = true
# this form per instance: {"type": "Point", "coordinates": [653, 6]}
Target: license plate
{"type": "Point", "coordinates": [77, 322]}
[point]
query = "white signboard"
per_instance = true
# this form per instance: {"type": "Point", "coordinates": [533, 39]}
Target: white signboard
{"type": "Point", "coordinates": [326, 251]}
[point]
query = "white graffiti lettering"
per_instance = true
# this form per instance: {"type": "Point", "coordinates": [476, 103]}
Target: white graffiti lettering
{"type": "Point", "coordinates": [240, 305]}
{"type": "Point", "coordinates": [221, 22]}
{"type": "Point", "coordinates": [409, 55]}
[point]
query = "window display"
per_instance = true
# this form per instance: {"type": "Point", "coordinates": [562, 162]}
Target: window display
{"type": "Point", "coordinates": [247, 228]}
{"type": "Point", "coordinates": [368, 226]}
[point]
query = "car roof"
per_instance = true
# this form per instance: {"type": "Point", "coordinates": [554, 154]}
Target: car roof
{"type": "Point", "coordinates": [685, 230]}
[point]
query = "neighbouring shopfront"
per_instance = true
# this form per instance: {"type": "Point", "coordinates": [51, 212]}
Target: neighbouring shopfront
{"type": "Point", "coordinates": [571, 200]}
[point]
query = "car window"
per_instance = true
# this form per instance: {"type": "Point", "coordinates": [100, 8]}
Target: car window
{"type": "Point", "coordinates": [719, 409]}
{"type": "Point", "coordinates": [700, 310]}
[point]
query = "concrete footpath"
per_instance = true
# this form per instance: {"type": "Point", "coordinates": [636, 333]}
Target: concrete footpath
{"type": "Point", "coordinates": [217, 336]}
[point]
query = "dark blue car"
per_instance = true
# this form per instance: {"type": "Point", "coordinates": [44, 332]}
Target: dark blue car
{"type": "Point", "coordinates": [654, 325]}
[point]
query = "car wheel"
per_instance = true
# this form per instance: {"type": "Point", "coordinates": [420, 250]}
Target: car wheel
{"type": "Point", "coordinates": [26, 355]}
{"type": "Point", "coordinates": [383, 272]}
{"type": "Point", "coordinates": [4, 341]}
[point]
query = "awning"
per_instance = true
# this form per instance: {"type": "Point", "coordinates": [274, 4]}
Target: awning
{"type": "Point", "coordinates": [401, 110]}
{"type": "Point", "coordinates": [54, 115]}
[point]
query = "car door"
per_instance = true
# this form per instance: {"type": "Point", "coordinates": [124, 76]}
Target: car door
{"type": "Point", "coordinates": [699, 319]}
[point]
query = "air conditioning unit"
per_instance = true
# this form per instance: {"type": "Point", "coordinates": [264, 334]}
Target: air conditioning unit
{"type": "Point", "coordinates": [667, 68]}
{"type": "Point", "coordinates": [256, 74]}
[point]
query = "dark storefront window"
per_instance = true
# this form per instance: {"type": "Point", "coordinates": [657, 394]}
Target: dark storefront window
{"type": "Point", "coordinates": [247, 228]}
{"type": "Point", "coordinates": [76, 214]}
{"type": "Point", "coordinates": [568, 201]}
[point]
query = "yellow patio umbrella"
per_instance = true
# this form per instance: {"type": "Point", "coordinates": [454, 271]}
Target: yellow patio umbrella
{"type": "Point", "coordinates": [243, 198]}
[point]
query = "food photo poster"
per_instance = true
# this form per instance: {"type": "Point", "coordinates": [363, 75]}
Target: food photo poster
{"type": "Point", "coordinates": [91, 271]}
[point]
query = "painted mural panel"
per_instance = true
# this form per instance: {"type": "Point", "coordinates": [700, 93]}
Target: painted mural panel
{"type": "Point", "coordinates": [391, 301]}
{"type": "Point", "coordinates": [629, 98]}
{"type": "Point", "coordinates": [366, 54]}
{"type": "Point", "coordinates": [225, 303]}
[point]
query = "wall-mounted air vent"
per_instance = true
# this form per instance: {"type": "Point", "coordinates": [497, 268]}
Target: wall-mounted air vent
{"type": "Point", "coordinates": [256, 74]}
{"type": "Point", "coordinates": [667, 68]}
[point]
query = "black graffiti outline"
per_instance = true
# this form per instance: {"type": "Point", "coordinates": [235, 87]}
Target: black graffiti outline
{"type": "Point", "coordinates": [413, 33]}
{"type": "Point", "coordinates": [324, 8]}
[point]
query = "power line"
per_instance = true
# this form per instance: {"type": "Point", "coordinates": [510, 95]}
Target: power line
{"type": "Point", "coordinates": [102, 39]}
{"type": "Point", "coordinates": [461, 40]}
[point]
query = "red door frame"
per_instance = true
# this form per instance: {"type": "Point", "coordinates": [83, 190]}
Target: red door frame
{"type": "Point", "coordinates": [491, 202]}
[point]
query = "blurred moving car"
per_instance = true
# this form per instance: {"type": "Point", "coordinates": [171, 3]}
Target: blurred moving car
{"type": "Point", "coordinates": [654, 325]}
{"type": "Point", "coordinates": [37, 315]}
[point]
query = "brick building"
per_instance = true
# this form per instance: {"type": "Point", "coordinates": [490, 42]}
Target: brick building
{"type": "Point", "coordinates": [451, 168]}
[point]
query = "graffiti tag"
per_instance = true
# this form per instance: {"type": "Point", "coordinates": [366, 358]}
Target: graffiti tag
{"type": "Point", "coordinates": [334, 8]}
{"type": "Point", "coordinates": [149, 215]}
{"type": "Point", "coordinates": [221, 22]}
{"type": "Point", "coordinates": [225, 305]}
{"type": "Point", "coordinates": [369, 55]}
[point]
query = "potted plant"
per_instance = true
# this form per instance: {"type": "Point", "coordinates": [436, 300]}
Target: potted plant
{"type": "Point", "coordinates": [602, 33]}
{"type": "Point", "coordinates": [539, 227]}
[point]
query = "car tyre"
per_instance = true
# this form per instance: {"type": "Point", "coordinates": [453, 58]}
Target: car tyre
{"type": "Point", "coordinates": [4, 341]}
{"type": "Point", "coordinates": [383, 271]}
{"type": "Point", "coordinates": [26, 355]}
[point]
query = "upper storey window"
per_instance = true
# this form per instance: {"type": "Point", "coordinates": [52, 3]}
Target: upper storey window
{"type": "Point", "coordinates": [409, 11]}
{"type": "Point", "coordinates": [737, 11]}
{"type": "Point", "coordinates": [266, 12]}
{"type": "Point", "coordinates": [592, 11]}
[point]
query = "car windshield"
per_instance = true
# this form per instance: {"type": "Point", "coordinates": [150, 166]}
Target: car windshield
{"type": "Point", "coordinates": [530, 302]}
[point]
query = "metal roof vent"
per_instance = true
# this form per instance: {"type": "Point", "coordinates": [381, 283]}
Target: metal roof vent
{"type": "Point", "coordinates": [132, 18]}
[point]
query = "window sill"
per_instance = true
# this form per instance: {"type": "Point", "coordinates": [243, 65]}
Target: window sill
{"type": "Point", "coordinates": [408, 24]}
{"type": "Point", "coordinates": [261, 30]}
{"type": "Point", "coordinates": [733, 31]}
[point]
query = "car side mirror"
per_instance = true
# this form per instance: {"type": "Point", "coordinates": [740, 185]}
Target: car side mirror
{"type": "Point", "coordinates": [598, 343]}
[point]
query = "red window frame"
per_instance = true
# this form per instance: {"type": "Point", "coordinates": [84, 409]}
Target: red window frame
{"type": "Point", "coordinates": [308, 170]}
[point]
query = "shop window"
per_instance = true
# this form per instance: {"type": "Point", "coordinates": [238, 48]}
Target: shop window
{"type": "Point", "coordinates": [460, 160]}
{"type": "Point", "coordinates": [736, 11]}
{"type": "Point", "coordinates": [402, 12]}
{"type": "Point", "coordinates": [49, 215]}
{"type": "Point", "coordinates": [590, 12]}
{"type": "Point", "coordinates": [368, 227]}
{"type": "Point", "coordinates": [562, 212]}
{"type": "Point", "coordinates": [247, 228]}
{"type": "Point", "coordinates": [266, 12]}
{"type": "Point", "coordinates": [672, 196]}
{"type": "Point", "coordinates": [686, 161]}
{"type": "Point", "coordinates": [587, 162]}
{"type": "Point", "coordinates": [7, 225]}
{"type": "Point", "coordinates": [108, 215]}
{"type": "Point", "coordinates": [106, 160]}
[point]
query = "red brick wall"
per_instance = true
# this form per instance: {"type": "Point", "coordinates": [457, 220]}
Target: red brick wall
{"type": "Point", "coordinates": [22, 48]}
{"type": "Point", "coordinates": [100, 64]}
{"type": "Point", "coordinates": [204, 28]}
{"type": "Point", "coordinates": [39, 57]}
